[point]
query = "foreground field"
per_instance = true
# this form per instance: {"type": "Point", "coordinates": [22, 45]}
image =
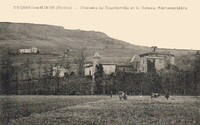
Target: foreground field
{"type": "Point", "coordinates": [14, 107]}
{"type": "Point", "coordinates": [101, 110]}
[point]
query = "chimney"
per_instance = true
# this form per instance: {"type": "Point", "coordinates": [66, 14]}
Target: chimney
{"type": "Point", "coordinates": [154, 48]}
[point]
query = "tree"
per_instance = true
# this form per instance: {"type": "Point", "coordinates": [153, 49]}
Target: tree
{"type": "Point", "coordinates": [77, 86]}
{"type": "Point", "coordinates": [18, 78]}
{"type": "Point", "coordinates": [39, 69]}
{"type": "Point", "coordinates": [196, 71]}
{"type": "Point", "coordinates": [27, 77]}
{"type": "Point", "coordinates": [6, 73]}
{"type": "Point", "coordinates": [80, 61]}
{"type": "Point", "coordinates": [57, 82]}
{"type": "Point", "coordinates": [108, 84]}
{"type": "Point", "coordinates": [98, 78]}
{"type": "Point", "coordinates": [45, 84]}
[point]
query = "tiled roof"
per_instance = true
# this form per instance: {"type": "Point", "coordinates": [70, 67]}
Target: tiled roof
{"type": "Point", "coordinates": [156, 53]}
{"type": "Point", "coordinates": [135, 58]}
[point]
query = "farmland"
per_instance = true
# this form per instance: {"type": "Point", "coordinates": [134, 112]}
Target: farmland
{"type": "Point", "coordinates": [14, 107]}
{"type": "Point", "coordinates": [99, 110]}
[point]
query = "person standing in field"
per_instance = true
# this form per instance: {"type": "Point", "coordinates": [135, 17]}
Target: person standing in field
{"type": "Point", "coordinates": [167, 95]}
{"type": "Point", "coordinates": [140, 94]}
{"type": "Point", "coordinates": [121, 95]}
{"type": "Point", "coordinates": [111, 93]}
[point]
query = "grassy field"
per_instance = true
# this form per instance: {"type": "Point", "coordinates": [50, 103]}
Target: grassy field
{"type": "Point", "coordinates": [99, 110]}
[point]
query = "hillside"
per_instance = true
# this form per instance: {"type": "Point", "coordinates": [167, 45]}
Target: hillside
{"type": "Point", "coordinates": [21, 34]}
{"type": "Point", "coordinates": [57, 39]}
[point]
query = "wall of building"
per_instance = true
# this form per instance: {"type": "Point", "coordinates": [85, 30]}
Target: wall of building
{"type": "Point", "coordinates": [126, 68]}
{"type": "Point", "coordinates": [89, 71]}
{"type": "Point", "coordinates": [25, 50]}
{"type": "Point", "coordinates": [159, 63]}
{"type": "Point", "coordinates": [109, 69]}
{"type": "Point", "coordinates": [34, 50]}
{"type": "Point", "coordinates": [172, 60]}
{"type": "Point", "coordinates": [143, 65]}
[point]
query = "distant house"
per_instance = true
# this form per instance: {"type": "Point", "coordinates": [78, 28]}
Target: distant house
{"type": "Point", "coordinates": [24, 51]}
{"type": "Point", "coordinates": [34, 50]}
{"type": "Point", "coordinates": [29, 50]}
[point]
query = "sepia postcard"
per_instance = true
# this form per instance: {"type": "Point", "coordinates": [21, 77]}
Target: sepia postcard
{"type": "Point", "coordinates": [99, 62]}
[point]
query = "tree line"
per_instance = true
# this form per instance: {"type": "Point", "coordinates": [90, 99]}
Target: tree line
{"type": "Point", "coordinates": [27, 80]}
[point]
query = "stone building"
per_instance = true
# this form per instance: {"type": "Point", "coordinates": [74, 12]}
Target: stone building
{"type": "Point", "coordinates": [146, 62]}
{"type": "Point", "coordinates": [155, 61]}
{"type": "Point", "coordinates": [90, 68]}
{"type": "Point", "coordinates": [34, 50]}
{"type": "Point", "coordinates": [24, 51]}
{"type": "Point", "coordinates": [29, 50]}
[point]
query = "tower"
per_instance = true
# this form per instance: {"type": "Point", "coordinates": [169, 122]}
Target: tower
{"type": "Point", "coordinates": [154, 48]}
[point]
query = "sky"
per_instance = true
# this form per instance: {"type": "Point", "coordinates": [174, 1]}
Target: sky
{"type": "Point", "coordinates": [178, 29]}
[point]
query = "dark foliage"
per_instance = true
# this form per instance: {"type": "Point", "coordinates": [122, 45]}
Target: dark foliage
{"type": "Point", "coordinates": [6, 74]}
{"type": "Point", "coordinates": [99, 79]}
